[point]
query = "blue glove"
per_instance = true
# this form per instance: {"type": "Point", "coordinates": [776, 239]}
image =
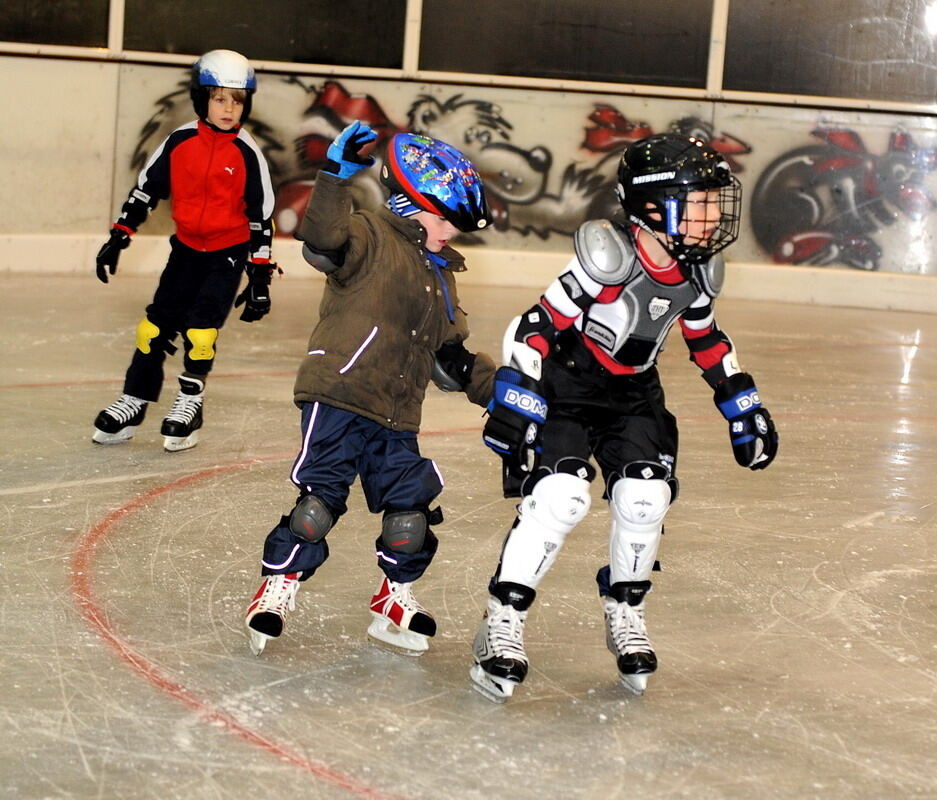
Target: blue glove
{"type": "Point", "coordinates": [516, 414]}
{"type": "Point", "coordinates": [343, 155]}
{"type": "Point", "coordinates": [751, 430]}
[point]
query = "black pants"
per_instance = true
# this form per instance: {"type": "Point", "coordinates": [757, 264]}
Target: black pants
{"type": "Point", "coordinates": [615, 418]}
{"type": "Point", "coordinates": [196, 290]}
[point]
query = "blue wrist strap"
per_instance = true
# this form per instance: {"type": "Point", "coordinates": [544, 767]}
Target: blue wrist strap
{"type": "Point", "coordinates": [740, 404]}
{"type": "Point", "coordinates": [509, 394]}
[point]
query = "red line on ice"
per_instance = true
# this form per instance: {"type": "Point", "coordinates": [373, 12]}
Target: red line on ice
{"type": "Point", "coordinates": [81, 579]}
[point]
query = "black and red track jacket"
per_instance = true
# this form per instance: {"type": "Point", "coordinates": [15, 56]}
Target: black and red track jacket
{"type": "Point", "coordinates": [220, 187]}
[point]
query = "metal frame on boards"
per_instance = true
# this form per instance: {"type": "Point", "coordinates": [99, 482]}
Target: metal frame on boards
{"type": "Point", "coordinates": [410, 70]}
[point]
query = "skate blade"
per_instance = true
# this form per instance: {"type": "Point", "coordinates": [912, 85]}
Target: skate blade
{"type": "Point", "coordinates": [384, 633]}
{"type": "Point", "coordinates": [100, 437]}
{"type": "Point", "coordinates": [490, 688]}
{"type": "Point", "coordinates": [635, 683]}
{"type": "Point", "coordinates": [257, 641]}
{"type": "Point", "coordinates": [173, 444]}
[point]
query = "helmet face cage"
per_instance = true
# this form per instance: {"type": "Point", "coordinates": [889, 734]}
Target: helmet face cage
{"type": "Point", "coordinates": [656, 179]}
{"type": "Point", "coordinates": [224, 69]}
{"type": "Point", "coordinates": [436, 178]}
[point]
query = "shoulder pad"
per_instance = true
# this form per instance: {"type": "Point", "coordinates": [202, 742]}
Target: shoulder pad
{"type": "Point", "coordinates": [605, 255]}
{"type": "Point", "coordinates": [713, 274]}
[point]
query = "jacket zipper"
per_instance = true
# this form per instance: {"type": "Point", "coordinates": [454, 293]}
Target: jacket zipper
{"type": "Point", "coordinates": [430, 306]}
{"type": "Point", "coordinates": [211, 158]}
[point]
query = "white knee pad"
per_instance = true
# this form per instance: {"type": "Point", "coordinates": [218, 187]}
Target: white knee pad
{"type": "Point", "coordinates": [638, 508]}
{"type": "Point", "coordinates": [556, 505]}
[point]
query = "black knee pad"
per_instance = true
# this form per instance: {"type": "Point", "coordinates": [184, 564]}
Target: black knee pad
{"type": "Point", "coordinates": [569, 465]}
{"type": "Point", "coordinates": [311, 519]}
{"type": "Point", "coordinates": [404, 531]}
{"type": "Point", "coordinates": [646, 470]}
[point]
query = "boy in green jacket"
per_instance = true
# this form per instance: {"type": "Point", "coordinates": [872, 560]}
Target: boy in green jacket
{"type": "Point", "coordinates": [389, 322]}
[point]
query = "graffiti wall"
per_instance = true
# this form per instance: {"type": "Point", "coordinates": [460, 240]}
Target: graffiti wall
{"type": "Point", "coordinates": [828, 189]}
{"type": "Point", "coordinates": [842, 189]}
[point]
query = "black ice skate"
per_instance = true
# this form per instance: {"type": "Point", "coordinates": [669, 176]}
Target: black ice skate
{"type": "Point", "coordinates": [500, 660]}
{"type": "Point", "coordinates": [118, 422]}
{"type": "Point", "coordinates": [182, 423]}
{"type": "Point", "coordinates": [266, 615]}
{"type": "Point", "coordinates": [626, 634]}
{"type": "Point", "coordinates": [399, 621]}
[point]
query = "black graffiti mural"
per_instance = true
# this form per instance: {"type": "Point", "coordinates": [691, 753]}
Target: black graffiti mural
{"type": "Point", "coordinates": [518, 178]}
{"type": "Point", "coordinates": [821, 204]}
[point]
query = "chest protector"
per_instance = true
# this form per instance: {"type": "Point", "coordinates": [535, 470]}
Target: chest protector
{"type": "Point", "coordinates": [631, 314]}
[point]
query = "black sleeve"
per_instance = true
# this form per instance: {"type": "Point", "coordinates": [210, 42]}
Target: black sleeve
{"type": "Point", "coordinates": [152, 182]}
{"type": "Point", "coordinates": [258, 197]}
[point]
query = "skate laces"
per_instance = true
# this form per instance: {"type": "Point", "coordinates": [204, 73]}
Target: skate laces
{"type": "Point", "coordinates": [184, 408]}
{"type": "Point", "coordinates": [506, 631]}
{"type": "Point", "coordinates": [402, 594]}
{"type": "Point", "coordinates": [626, 627]}
{"type": "Point", "coordinates": [125, 408]}
{"type": "Point", "coordinates": [279, 595]}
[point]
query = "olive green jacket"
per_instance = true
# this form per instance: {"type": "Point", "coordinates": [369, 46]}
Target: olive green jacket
{"type": "Point", "coordinates": [383, 314]}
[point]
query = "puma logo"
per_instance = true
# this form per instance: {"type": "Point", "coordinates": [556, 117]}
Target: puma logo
{"type": "Point", "coordinates": [229, 170]}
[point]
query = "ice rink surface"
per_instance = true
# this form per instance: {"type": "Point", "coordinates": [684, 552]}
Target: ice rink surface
{"type": "Point", "coordinates": [794, 618]}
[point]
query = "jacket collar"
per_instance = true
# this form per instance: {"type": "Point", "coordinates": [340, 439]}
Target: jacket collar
{"type": "Point", "coordinates": [412, 231]}
{"type": "Point", "coordinates": [207, 128]}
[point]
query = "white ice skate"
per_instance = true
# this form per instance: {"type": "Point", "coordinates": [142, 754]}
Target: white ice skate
{"type": "Point", "coordinates": [182, 423]}
{"type": "Point", "coordinates": [119, 421]}
{"type": "Point", "coordinates": [500, 660]}
{"type": "Point", "coordinates": [626, 634]}
{"type": "Point", "coordinates": [400, 623]}
{"type": "Point", "coordinates": [266, 615]}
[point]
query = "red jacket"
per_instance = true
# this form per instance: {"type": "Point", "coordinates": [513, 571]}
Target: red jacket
{"type": "Point", "coordinates": [220, 188]}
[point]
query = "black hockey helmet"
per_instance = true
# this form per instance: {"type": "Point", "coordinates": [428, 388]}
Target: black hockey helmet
{"type": "Point", "coordinates": [224, 68]}
{"type": "Point", "coordinates": [655, 176]}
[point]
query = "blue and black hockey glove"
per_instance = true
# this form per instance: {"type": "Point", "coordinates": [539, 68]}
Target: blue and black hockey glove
{"type": "Point", "coordinates": [516, 414]}
{"type": "Point", "coordinates": [344, 154]}
{"type": "Point", "coordinates": [109, 254]}
{"type": "Point", "coordinates": [256, 295]}
{"type": "Point", "coordinates": [751, 429]}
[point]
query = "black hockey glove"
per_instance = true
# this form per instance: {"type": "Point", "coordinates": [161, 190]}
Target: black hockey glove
{"type": "Point", "coordinates": [256, 295]}
{"type": "Point", "coordinates": [344, 154]}
{"type": "Point", "coordinates": [751, 429]}
{"type": "Point", "coordinates": [109, 253]}
{"type": "Point", "coordinates": [516, 415]}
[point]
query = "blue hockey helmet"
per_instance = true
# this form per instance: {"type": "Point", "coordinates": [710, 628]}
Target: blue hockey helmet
{"type": "Point", "coordinates": [437, 178]}
{"type": "Point", "coordinates": [221, 68]}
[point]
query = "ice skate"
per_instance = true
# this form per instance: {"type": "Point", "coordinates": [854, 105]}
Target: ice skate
{"type": "Point", "coordinates": [626, 634]}
{"type": "Point", "coordinates": [400, 622]}
{"type": "Point", "coordinates": [500, 661]}
{"type": "Point", "coordinates": [119, 421]}
{"type": "Point", "coordinates": [181, 426]}
{"type": "Point", "coordinates": [266, 615]}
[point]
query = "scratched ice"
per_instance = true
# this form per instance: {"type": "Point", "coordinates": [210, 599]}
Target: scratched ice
{"type": "Point", "coordinates": [793, 617]}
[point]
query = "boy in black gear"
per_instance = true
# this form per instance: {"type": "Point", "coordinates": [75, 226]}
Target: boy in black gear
{"type": "Point", "coordinates": [581, 382]}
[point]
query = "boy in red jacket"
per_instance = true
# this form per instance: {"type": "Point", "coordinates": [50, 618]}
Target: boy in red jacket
{"type": "Point", "coordinates": [222, 202]}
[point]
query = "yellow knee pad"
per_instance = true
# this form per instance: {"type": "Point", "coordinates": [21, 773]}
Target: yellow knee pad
{"type": "Point", "coordinates": [146, 333]}
{"type": "Point", "coordinates": [203, 343]}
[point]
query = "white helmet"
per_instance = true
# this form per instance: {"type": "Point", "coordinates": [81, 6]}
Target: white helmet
{"type": "Point", "coordinates": [223, 68]}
